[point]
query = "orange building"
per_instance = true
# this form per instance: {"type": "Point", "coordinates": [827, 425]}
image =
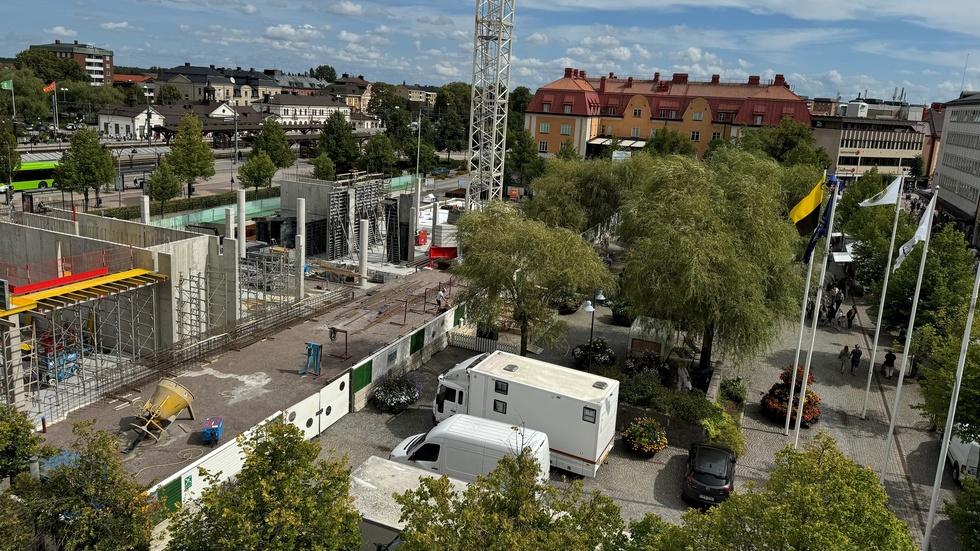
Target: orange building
{"type": "Point", "coordinates": [594, 111]}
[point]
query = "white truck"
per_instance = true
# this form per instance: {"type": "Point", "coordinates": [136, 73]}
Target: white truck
{"type": "Point", "coordinates": [577, 410]}
{"type": "Point", "coordinates": [964, 457]}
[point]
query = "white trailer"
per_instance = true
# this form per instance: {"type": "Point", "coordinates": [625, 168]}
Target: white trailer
{"type": "Point", "coordinates": [577, 410]}
{"type": "Point", "coordinates": [372, 485]}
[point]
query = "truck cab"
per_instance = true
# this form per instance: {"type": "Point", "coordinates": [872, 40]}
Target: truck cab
{"type": "Point", "coordinates": [452, 395]}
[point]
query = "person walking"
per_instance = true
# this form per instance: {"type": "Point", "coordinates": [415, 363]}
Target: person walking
{"type": "Point", "coordinates": [855, 358]}
{"type": "Point", "coordinates": [844, 354]}
{"type": "Point", "coordinates": [851, 315]}
{"type": "Point", "coordinates": [889, 363]}
{"type": "Point", "coordinates": [840, 319]}
{"type": "Point", "coordinates": [440, 297]}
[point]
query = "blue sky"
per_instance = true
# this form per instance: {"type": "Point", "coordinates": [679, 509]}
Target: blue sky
{"type": "Point", "coordinates": [824, 47]}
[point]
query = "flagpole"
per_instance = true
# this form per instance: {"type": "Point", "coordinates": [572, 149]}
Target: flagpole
{"type": "Point", "coordinates": [881, 302]}
{"type": "Point", "coordinates": [816, 317]}
{"type": "Point", "coordinates": [13, 99]}
{"type": "Point", "coordinates": [951, 413]}
{"type": "Point", "coordinates": [908, 339]}
{"type": "Point", "coordinates": [799, 340]}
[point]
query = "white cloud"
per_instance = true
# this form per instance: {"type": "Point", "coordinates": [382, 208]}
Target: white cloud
{"type": "Point", "coordinates": [110, 26]}
{"type": "Point", "coordinates": [250, 9]}
{"type": "Point", "coordinates": [61, 31]}
{"type": "Point", "coordinates": [537, 39]}
{"type": "Point", "coordinates": [348, 36]}
{"type": "Point", "coordinates": [303, 33]}
{"type": "Point", "coordinates": [446, 70]}
{"type": "Point", "coordinates": [438, 21]}
{"type": "Point", "coordinates": [345, 8]}
{"type": "Point", "coordinates": [461, 35]}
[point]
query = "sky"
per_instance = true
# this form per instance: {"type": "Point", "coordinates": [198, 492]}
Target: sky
{"type": "Point", "coordinates": [825, 48]}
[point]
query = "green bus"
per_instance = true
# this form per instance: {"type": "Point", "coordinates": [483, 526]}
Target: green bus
{"type": "Point", "coordinates": [33, 175]}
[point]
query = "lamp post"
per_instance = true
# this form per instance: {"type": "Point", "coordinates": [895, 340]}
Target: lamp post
{"type": "Point", "coordinates": [418, 157]}
{"type": "Point", "coordinates": [589, 307]}
{"type": "Point", "coordinates": [234, 158]}
{"type": "Point", "coordinates": [146, 92]}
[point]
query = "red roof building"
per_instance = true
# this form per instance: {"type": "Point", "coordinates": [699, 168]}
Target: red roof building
{"type": "Point", "coordinates": [593, 111]}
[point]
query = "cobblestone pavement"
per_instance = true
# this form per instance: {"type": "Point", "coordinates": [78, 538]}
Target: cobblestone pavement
{"type": "Point", "coordinates": [653, 485]}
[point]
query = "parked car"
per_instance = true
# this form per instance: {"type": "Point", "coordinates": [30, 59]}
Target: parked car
{"type": "Point", "coordinates": [70, 126]}
{"type": "Point", "coordinates": [441, 171]}
{"type": "Point", "coordinates": [710, 474]}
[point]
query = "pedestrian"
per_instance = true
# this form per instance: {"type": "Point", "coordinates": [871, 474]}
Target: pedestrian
{"type": "Point", "coordinates": [844, 354]}
{"type": "Point", "coordinates": [840, 319]}
{"type": "Point", "coordinates": [440, 297]}
{"type": "Point", "coordinates": [855, 358]}
{"type": "Point", "coordinates": [851, 315]}
{"type": "Point", "coordinates": [889, 363]}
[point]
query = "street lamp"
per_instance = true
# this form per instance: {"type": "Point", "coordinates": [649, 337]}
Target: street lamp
{"type": "Point", "coordinates": [234, 158]}
{"type": "Point", "coordinates": [598, 296]}
{"type": "Point", "coordinates": [146, 92]}
{"type": "Point", "coordinates": [418, 157]}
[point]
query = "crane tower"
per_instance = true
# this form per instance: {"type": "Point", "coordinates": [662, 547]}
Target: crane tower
{"type": "Point", "coordinates": [489, 95]}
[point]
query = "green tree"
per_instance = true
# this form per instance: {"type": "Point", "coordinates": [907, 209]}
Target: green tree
{"type": "Point", "coordinates": [9, 156]}
{"type": "Point", "coordinates": [454, 96]}
{"type": "Point", "coordinates": [272, 140]}
{"type": "Point", "coordinates": [428, 159]}
{"type": "Point", "coordinates": [91, 501]}
{"type": "Point", "coordinates": [379, 155]}
{"type": "Point", "coordinates": [337, 141]}
{"type": "Point", "coordinates": [715, 145]}
{"type": "Point", "coordinates": [589, 192]}
{"type": "Point", "coordinates": [791, 142]}
{"type": "Point", "coordinates": [283, 499]}
{"type": "Point", "coordinates": [33, 105]}
{"type": "Point", "coordinates": [523, 163]}
{"type": "Point", "coordinates": [16, 524]}
{"type": "Point", "coordinates": [86, 165]}
{"type": "Point", "coordinates": [509, 509]}
{"type": "Point", "coordinates": [567, 151]}
{"type": "Point", "coordinates": [163, 184]}
{"type": "Point", "coordinates": [815, 498]}
{"type": "Point", "coordinates": [710, 248]}
{"type": "Point", "coordinates": [257, 170]}
{"type": "Point", "coordinates": [941, 349]}
{"type": "Point", "coordinates": [21, 442]}
{"type": "Point", "coordinates": [385, 102]}
{"type": "Point", "coordinates": [323, 168]}
{"type": "Point", "coordinates": [324, 72]}
{"type": "Point", "coordinates": [519, 267]}
{"type": "Point", "coordinates": [964, 513]}
{"type": "Point", "coordinates": [50, 67]}
{"type": "Point", "coordinates": [517, 104]}
{"type": "Point", "coordinates": [168, 94]}
{"type": "Point", "coordinates": [451, 132]}
{"type": "Point", "coordinates": [134, 96]}
{"type": "Point", "coordinates": [670, 142]}
{"type": "Point", "coordinates": [191, 158]}
{"type": "Point", "coordinates": [917, 168]}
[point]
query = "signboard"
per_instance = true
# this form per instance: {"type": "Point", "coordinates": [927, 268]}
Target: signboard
{"type": "Point", "coordinates": [515, 193]}
{"type": "Point", "coordinates": [618, 156]}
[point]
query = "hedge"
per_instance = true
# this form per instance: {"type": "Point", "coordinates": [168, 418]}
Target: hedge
{"type": "Point", "coordinates": [200, 202]}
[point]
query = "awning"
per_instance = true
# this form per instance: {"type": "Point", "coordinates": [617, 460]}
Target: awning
{"type": "Point", "coordinates": [632, 143]}
{"type": "Point", "coordinates": [841, 257]}
{"type": "Point", "coordinates": [83, 291]}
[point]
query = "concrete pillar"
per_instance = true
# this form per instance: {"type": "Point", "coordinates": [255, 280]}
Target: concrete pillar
{"type": "Point", "coordinates": [364, 253]}
{"type": "Point", "coordinates": [230, 224]}
{"type": "Point", "coordinates": [435, 221]}
{"type": "Point", "coordinates": [145, 209]}
{"type": "Point", "coordinates": [300, 247]}
{"type": "Point", "coordinates": [413, 223]}
{"type": "Point", "coordinates": [241, 223]}
{"type": "Point", "coordinates": [61, 268]}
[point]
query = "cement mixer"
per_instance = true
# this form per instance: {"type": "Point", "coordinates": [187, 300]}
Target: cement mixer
{"type": "Point", "coordinates": [169, 399]}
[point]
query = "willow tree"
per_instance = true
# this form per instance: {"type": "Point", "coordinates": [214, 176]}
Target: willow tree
{"type": "Point", "coordinates": [710, 249]}
{"type": "Point", "coordinates": [519, 267]}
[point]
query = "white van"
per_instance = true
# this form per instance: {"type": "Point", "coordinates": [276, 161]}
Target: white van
{"type": "Point", "coordinates": [464, 446]}
{"type": "Point", "coordinates": [964, 457]}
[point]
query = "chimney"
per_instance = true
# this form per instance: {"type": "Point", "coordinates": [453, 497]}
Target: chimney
{"type": "Point", "coordinates": [238, 68]}
{"type": "Point", "coordinates": [680, 78]}
{"type": "Point", "coordinates": [187, 64]}
{"type": "Point", "coordinates": [251, 69]}
{"type": "Point", "coordinates": [76, 42]}
{"type": "Point", "coordinates": [611, 75]}
{"type": "Point", "coordinates": [753, 81]}
{"type": "Point", "coordinates": [568, 72]}
{"type": "Point", "coordinates": [629, 82]}
{"type": "Point", "coordinates": [602, 85]}
{"type": "Point", "coordinates": [715, 79]}
{"type": "Point", "coordinates": [656, 76]}
{"type": "Point", "coordinates": [56, 41]}
{"type": "Point", "coordinates": [582, 73]}
{"type": "Point", "coordinates": [212, 66]}
{"type": "Point", "coordinates": [780, 81]}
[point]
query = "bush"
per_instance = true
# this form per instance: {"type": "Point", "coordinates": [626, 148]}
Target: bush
{"type": "Point", "coordinates": [593, 353]}
{"type": "Point", "coordinates": [725, 430]}
{"type": "Point", "coordinates": [648, 362]}
{"type": "Point", "coordinates": [645, 435]}
{"type": "Point", "coordinates": [964, 513]}
{"type": "Point", "coordinates": [395, 392]}
{"type": "Point", "coordinates": [621, 312]}
{"type": "Point", "coordinates": [733, 390]}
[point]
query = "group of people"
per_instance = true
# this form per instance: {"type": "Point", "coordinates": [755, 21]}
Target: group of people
{"type": "Point", "coordinates": [854, 355]}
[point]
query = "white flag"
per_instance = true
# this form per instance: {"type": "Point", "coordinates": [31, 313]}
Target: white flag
{"type": "Point", "coordinates": [921, 233]}
{"type": "Point", "coordinates": [887, 197]}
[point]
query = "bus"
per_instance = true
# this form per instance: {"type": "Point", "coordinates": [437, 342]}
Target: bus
{"type": "Point", "coordinates": [32, 175]}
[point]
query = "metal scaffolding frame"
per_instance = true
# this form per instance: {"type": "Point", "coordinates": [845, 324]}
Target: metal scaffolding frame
{"type": "Point", "coordinates": [267, 282]}
{"type": "Point", "coordinates": [492, 39]}
{"type": "Point", "coordinates": [200, 303]}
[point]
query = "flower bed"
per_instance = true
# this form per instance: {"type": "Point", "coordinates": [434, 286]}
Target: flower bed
{"type": "Point", "coordinates": [592, 354]}
{"type": "Point", "coordinates": [645, 435]}
{"type": "Point", "coordinates": [395, 393]}
{"type": "Point", "coordinates": [774, 405]}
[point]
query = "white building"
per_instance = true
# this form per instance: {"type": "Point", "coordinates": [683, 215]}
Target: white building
{"type": "Point", "coordinates": [957, 172]}
{"type": "Point", "coordinates": [128, 122]}
{"type": "Point", "coordinates": [291, 110]}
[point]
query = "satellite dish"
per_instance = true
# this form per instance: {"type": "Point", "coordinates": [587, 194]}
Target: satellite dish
{"type": "Point", "coordinates": [232, 79]}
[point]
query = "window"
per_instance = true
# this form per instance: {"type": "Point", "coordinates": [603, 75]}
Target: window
{"type": "Point", "coordinates": [612, 110]}
{"type": "Point", "coordinates": [673, 114]}
{"type": "Point", "coordinates": [663, 113]}
{"type": "Point", "coordinates": [500, 387]}
{"type": "Point", "coordinates": [459, 399]}
{"type": "Point", "coordinates": [566, 130]}
{"type": "Point", "coordinates": [635, 132]}
{"type": "Point", "coordinates": [588, 415]}
{"type": "Point", "coordinates": [721, 117]}
{"type": "Point", "coordinates": [544, 128]}
{"type": "Point", "coordinates": [637, 112]}
{"type": "Point", "coordinates": [653, 132]}
{"type": "Point", "coordinates": [568, 109]}
{"type": "Point", "coordinates": [428, 452]}
{"type": "Point", "coordinates": [542, 147]}
{"type": "Point", "coordinates": [546, 107]}
{"type": "Point", "coordinates": [449, 394]}
{"type": "Point", "coordinates": [499, 406]}
{"type": "Point", "coordinates": [716, 135]}
{"type": "Point", "coordinates": [696, 136]}
{"type": "Point", "coordinates": [698, 115]}
{"type": "Point", "coordinates": [758, 120]}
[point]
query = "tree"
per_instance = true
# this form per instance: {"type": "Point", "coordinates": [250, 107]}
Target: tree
{"type": "Point", "coordinates": [791, 142]}
{"type": "Point", "coordinates": [189, 156]}
{"type": "Point", "coordinates": [272, 140]}
{"type": "Point", "coordinates": [86, 165]}
{"type": "Point", "coordinates": [324, 72]}
{"type": "Point", "coordinates": [451, 133]}
{"type": "Point", "coordinates": [168, 94]}
{"type": "Point", "coordinates": [163, 184]}
{"type": "Point", "coordinates": [50, 67]}
{"type": "Point", "coordinates": [9, 156]}
{"type": "Point", "coordinates": [453, 97]}
{"type": "Point", "coordinates": [517, 104]}
{"type": "Point", "coordinates": [16, 524]}
{"type": "Point", "coordinates": [816, 498]}
{"type": "Point", "coordinates": [323, 168]}
{"type": "Point", "coordinates": [567, 151]}
{"type": "Point", "coordinates": [257, 170]}
{"type": "Point", "coordinates": [134, 95]}
{"type": "Point", "coordinates": [21, 442]}
{"type": "Point", "coordinates": [710, 248]}
{"type": "Point", "coordinates": [428, 159]}
{"type": "Point", "coordinates": [90, 501]}
{"type": "Point", "coordinates": [964, 513]}
{"type": "Point", "coordinates": [523, 163]}
{"type": "Point", "coordinates": [670, 142]}
{"type": "Point", "coordinates": [917, 168]}
{"type": "Point", "coordinates": [379, 155]}
{"type": "Point", "coordinates": [578, 195]}
{"type": "Point", "coordinates": [283, 499]}
{"type": "Point", "coordinates": [33, 104]}
{"type": "Point", "coordinates": [337, 141]}
{"type": "Point", "coordinates": [519, 267]}
{"type": "Point", "coordinates": [509, 509]}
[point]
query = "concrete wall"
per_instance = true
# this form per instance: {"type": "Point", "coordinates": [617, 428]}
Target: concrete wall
{"type": "Point", "coordinates": [317, 197]}
{"type": "Point", "coordinates": [20, 245]}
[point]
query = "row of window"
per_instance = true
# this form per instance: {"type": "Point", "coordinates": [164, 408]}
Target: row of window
{"type": "Point", "coordinates": [545, 127]}
{"type": "Point", "coordinates": [873, 161]}
{"type": "Point", "coordinates": [500, 406]}
{"type": "Point", "coordinates": [546, 107]}
{"type": "Point", "coordinates": [965, 115]}
{"type": "Point", "coordinates": [698, 115]}
{"type": "Point", "coordinates": [971, 141]}
{"type": "Point", "coordinates": [962, 164]}
{"type": "Point", "coordinates": [910, 142]}
{"type": "Point", "coordinates": [966, 191]}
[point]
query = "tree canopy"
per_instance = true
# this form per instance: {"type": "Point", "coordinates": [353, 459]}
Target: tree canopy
{"type": "Point", "coordinates": [791, 143]}
{"type": "Point", "coordinates": [49, 67]}
{"type": "Point", "coordinates": [324, 72]}
{"type": "Point", "coordinates": [379, 155]}
{"type": "Point", "coordinates": [667, 141]}
{"type": "Point", "coordinates": [577, 195]}
{"type": "Point", "coordinates": [189, 156]}
{"type": "Point", "coordinates": [257, 171]}
{"type": "Point", "coordinates": [964, 513]}
{"type": "Point", "coordinates": [163, 185]}
{"type": "Point", "coordinates": [283, 499]}
{"type": "Point", "coordinates": [338, 142]}
{"type": "Point", "coordinates": [519, 268]}
{"type": "Point", "coordinates": [21, 442]}
{"type": "Point", "coordinates": [168, 94]}
{"type": "Point", "coordinates": [85, 165]}
{"type": "Point", "coordinates": [523, 162]}
{"type": "Point", "coordinates": [9, 156]}
{"type": "Point", "coordinates": [272, 141]}
{"type": "Point", "coordinates": [323, 168]}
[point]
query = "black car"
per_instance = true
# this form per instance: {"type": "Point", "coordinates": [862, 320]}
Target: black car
{"type": "Point", "coordinates": [710, 474]}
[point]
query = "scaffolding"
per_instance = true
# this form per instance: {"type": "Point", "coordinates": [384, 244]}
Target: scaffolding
{"type": "Point", "coordinates": [267, 282]}
{"type": "Point", "coordinates": [200, 303]}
